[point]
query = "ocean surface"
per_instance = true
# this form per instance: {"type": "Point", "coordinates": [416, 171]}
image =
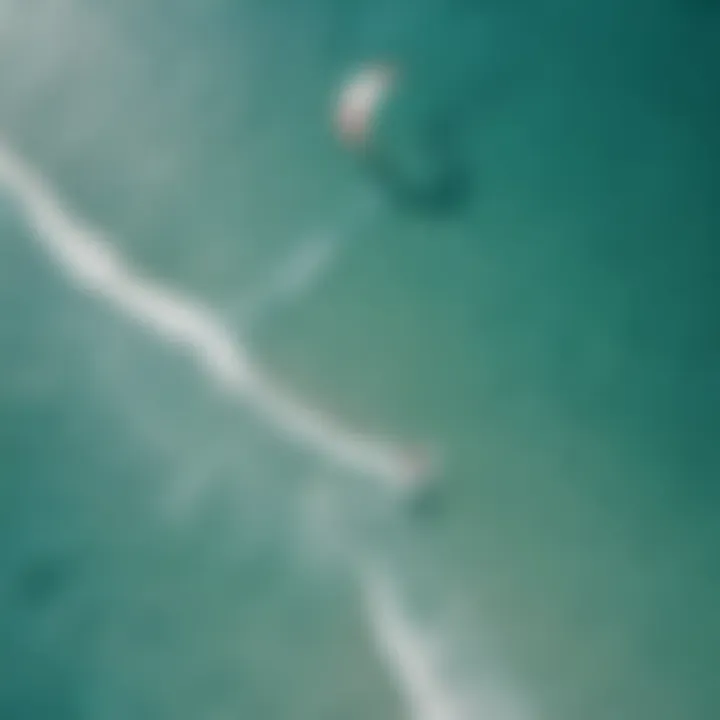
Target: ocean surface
{"type": "Point", "coordinates": [221, 343]}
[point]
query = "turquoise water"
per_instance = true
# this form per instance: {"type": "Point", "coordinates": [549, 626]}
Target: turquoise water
{"type": "Point", "coordinates": [177, 544]}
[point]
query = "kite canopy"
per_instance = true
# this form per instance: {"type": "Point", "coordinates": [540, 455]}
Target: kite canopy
{"type": "Point", "coordinates": [359, 103]}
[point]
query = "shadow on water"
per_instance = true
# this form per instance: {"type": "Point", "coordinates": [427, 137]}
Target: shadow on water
{"type": "Point", "coordinates": [42, 580]}
{"type": "Point", "coordinates": [449, 187]}
{"type": "Point", "coordinates": [429, 505]}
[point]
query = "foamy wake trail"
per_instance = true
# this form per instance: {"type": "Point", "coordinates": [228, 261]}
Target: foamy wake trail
{"type": "Point", "coordinates": [421, 661]}
{"type": "Point", "coordinates": [85, 255]}
{"type": "Point", "coordinates": [298, 273]}
{"type": "Point", "coordinates": [411, 657]}
{"type": "Point", "coordinates": [308, 262]}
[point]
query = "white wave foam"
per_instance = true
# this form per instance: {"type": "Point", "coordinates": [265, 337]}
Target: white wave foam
{"type": "Point", "coordinates": [413, 658]}
{"type": "Point", "coordinates": [300, 272]}
{"type": "Point", "coordinates": [305, 266]}
{"type": "Point", "coordinates": [425, 672]}
{"type": "Point", "coordinates": [308, 262]}
{"type": "Point", "coordinates": [85, 255]}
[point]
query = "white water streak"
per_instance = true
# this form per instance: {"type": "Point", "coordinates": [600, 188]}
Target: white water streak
{"type": "Point", "coordinates": [302, 270]}
{"type": "Point", "coordinates": [85, 255]}
{"type": "Point", "coordinates": [412, 658]}
{"type": "Point", "coordinates": [308, 262]}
